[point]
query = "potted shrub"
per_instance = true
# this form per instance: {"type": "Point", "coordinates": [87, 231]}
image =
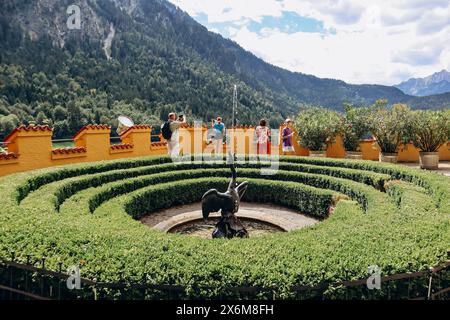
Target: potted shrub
{"type": "Point", "coordinates": [316, 128]}
{"type": "Point", "coordinates": [391, 128]}
{"type": "Point", "coordinates": [430, 131]}
{"type": "Point", "coordinates": [355, 127]}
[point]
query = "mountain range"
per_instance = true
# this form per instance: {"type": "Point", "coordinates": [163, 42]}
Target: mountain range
{"type": "Point", "coordinates": [144, 58]}
{"type": "Point", "coordinates": [437, 83]}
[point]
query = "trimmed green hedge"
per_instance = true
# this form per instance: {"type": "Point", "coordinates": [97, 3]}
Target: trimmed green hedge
{"type": "Point", "coordinates": [108, 171]}
{"type": "Point", "coordinates": [294, 195]}
{"type": "Point", "coordinates": [356, 191]}
{"type": "Point", "coordinates": [57, 174]}
{"type": "Point", "coordinates": [435, 185]}
{"type": "Point", "coordinates": [73, 186]}
{"type": "Point", "coordinates": [406, 229]}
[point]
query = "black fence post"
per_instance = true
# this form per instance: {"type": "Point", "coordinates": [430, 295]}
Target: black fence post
{"type": "Point", "coordinates": [42, 278]}
{"type": "Point", "coordinates": [59, 281]}
{"type": "Point", "coordinates": [429, 284]}
{"type": "Point", "coordinates": [144, 286]}
{"type": "Point", "coordinates": [13, 257]}
{"type": "Point", "coordinates": [409, 287]}
{"type": "Point", "coordinates": [389, 289]}
{"type": "Point", "coordinates": [121, 287]}
{"type": "Point", "coordinates": [27, 273]}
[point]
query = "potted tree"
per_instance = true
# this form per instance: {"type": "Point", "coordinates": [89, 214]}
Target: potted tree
{"type": "Point", "coordinates": [430, 131]}
{"type": "Point", "coordinates": [316, 128]}
{"type": "Point", "coordinates": [391, 128]}
{"type": "Point", "coordinates": [355, 127]}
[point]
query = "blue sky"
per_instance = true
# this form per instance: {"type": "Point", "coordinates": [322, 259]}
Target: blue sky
{"type": "Point", "coordinates": [289, 22]}
{"type": "Point", "coordinates": [359, 41]}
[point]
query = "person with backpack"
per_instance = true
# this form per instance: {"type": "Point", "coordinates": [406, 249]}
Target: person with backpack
{"type": "Point", "coordinates": [170, 132]}
{"type": "Point", "coordinates": [218, 133]}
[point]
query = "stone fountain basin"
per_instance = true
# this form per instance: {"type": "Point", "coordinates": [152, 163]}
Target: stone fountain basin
{"type": "Point", "coordinates": [281, 217]}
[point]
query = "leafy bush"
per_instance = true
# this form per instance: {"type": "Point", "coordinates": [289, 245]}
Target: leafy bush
{"type": "Point", "coordinates": [356, 125]}
{"type": "Point", "coordinates": [317, 127]}
{"type": "Point", "coordinates": [390, 126]}
{"type": "Point", "coordinates": [430, 129]}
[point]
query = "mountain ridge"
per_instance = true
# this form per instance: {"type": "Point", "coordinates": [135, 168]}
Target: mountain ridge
{"type": "Point", "coordinates": [436, 83]}
{"type": "Point", "coordinates": [159, 59]}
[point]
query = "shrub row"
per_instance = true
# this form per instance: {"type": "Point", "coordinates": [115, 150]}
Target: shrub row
{"type": "Point", "coordinates": [73, 186]}
{"type": "Point", "coordinates": [50, 175]}
{"type": "Point", "coordinates": [303, 198]}
{"type": "Point", "coordinates": [435, 184]}
{"type": "Point", "coordinates": [356, 191]}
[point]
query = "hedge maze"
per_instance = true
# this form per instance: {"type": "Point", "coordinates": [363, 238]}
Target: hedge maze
{"type": "Point", "coordinates": [391, 216]}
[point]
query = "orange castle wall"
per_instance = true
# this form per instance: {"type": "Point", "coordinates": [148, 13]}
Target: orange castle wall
{"type": "Point", "coordinates": [31, 147]}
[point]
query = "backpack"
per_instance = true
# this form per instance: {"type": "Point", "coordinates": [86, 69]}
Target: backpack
{"type": "Point", "coordinates": [165, 130]}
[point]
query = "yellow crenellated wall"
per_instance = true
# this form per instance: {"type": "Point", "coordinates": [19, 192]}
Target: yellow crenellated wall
{"type": "Point", "coordinates": [31, 147]}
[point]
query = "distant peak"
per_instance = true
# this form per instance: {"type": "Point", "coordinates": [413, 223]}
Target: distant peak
{"type": "Point", "coordinates": [437, 83]}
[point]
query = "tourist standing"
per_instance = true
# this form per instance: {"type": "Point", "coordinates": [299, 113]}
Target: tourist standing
{"type": "Point", "coordinates": [263, 138]}
{"type": "Point", "coordinates": [170, 132]}
{"type": "Point", "coordinates": [286, 136]}
{"type": "Point", "coordinates": [218, 133]}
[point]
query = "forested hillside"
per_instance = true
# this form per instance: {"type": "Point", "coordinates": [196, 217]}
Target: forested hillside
{"type": "Point", "coordinates": [159, 60]}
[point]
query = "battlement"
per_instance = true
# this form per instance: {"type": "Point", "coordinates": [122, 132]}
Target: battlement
{"type": "Point", "coordinates": [30, 147]}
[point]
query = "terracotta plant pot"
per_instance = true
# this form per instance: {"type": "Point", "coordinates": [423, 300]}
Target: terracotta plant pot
{"type": "Point", "coordinates": [388, 157]}
{"type": "Point", "coordinates": [429, 160]}
{"type": "Point", "coordinates": [355, 155]}
{"type": "Point", "coordinates": [318, 154]}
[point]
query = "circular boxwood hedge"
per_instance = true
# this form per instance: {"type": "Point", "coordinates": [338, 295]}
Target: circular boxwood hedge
{"type": "Point", "coordinates": [387, 215]}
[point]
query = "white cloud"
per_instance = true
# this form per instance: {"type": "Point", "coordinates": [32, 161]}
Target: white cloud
{"type": "Point", "coordinates": [376, 41]}
{"type": "Point", "coordinates": [231, 10]}
{"type": "Point", "coordinates": [433, 22]}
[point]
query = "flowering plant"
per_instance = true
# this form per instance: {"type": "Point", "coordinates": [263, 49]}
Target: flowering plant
{"type": "Point", "coordinates": [355, 126]}
{"type": "Point", "coordinates": [390, 126]}
{"type": "Point", "coordinates": [317, 127]}
{"type": "Point", "coordinates": [430, 129]}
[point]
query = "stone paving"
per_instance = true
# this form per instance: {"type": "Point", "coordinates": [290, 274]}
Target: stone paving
{"type": "Point", "coordinates": [444, 166]}
{"type": "Point", "coordinates": [286, 219]}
